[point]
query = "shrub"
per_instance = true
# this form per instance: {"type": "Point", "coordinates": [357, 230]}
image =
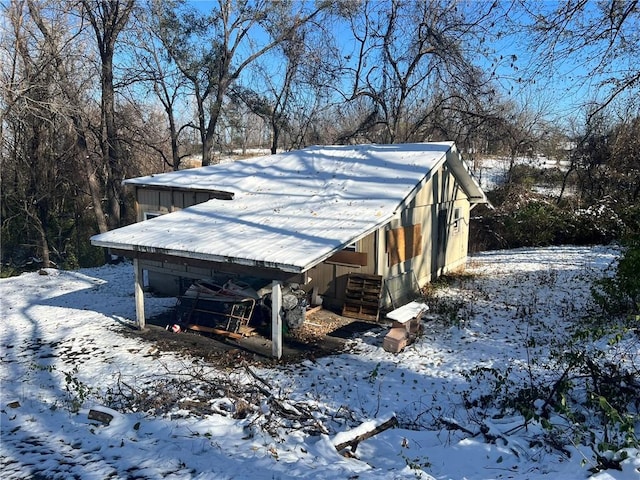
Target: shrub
{"type": "Point", "coordinates": [522, 218]}
{"type": "Point", "coordinates": [529, 175]}
{"type": "Point", "coordinates": [619, 295]}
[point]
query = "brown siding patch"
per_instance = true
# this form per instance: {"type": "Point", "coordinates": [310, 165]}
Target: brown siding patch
{"type": "Point", "coordinates": [404, 243]}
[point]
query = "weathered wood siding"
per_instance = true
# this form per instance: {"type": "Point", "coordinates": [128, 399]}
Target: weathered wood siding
{"type": "Point", "coordinates": [443, 236]}
{"type": "Point", "coordinates": [163, 278]}
{"type": "Point", "coordinates": [330, 278]}
{"type": "Point", "coordinates": [161, 201]}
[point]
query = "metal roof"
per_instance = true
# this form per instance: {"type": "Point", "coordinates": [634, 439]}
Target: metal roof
{"type": "Point", "coordinates": [289, 211]}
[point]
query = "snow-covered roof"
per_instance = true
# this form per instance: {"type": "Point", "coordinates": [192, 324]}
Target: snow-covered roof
{"type": "Point", "coordinates": [289, 211]}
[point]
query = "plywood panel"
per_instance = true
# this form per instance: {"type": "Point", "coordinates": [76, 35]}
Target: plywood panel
{"type": "Point", "coordinates": [148, 197]}
{"type": "Point", "coordinates": [404, 243]}
{"type": "Point", "coordinates": [349, 258]}
{"type": "Point", "coordinates": [201, 272]}
{"type": "Point", "coordinates": [147, 201]}
{"type": "Point", "coordinates": [321, 276]}
{"type": "Point", "coordinates": [150, 264]}
{"type": "Point", "coordinates": [184, 199]}
{"type": "Point", "coordinates": [368, 245]}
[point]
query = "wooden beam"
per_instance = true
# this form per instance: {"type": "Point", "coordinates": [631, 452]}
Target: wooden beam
{"type": "Point", "coordinates": [315, 309]}
{"type": "Point", "coordinates": [222, 267]}
{"type": "Point", "coordinates": [380, 256]}
{"type": "Point", "coordinates": [215, 331]}
{"type": "Point", "coordinates": [276, 319]}
{"type": "Point", "coordinates": [404, 243]}
{"type": "Point", "coordinates": [138, 293]}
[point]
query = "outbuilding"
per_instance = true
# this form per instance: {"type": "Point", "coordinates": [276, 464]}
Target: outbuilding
{"type": "Point", "coordinates": [320, 217]}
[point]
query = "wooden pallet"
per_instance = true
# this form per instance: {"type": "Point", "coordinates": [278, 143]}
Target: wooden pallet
{"type": "Point", "coordinates": [362, 297]}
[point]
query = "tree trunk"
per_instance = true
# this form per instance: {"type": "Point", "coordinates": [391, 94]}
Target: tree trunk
{"type": "Point", "coordinates": [95, 193]}
{"type": "Point", "coordinates": [275, 137]}
{"type": "Point", "coordinates": [207, 147]}
{"type": "Point", "coordinates": [108, 19]}
{"type": "Point", "coordinates": [44, 248]}
{"type": "Point", "coordinates": [72, 97]}
{"type": "Point", "coordinates": [175, 154]}
{"type": "Point", "coordinates": [110, 141]}
{"type": "Point", "coordinates": [208, 144]}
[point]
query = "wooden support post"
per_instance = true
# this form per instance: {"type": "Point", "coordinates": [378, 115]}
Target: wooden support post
{"type": "Point", "coordinates": [276, 319]}
{"type": "Point", "coordinates": [381, 252]}
{"type": "Point", "coordinates": [139, 293]}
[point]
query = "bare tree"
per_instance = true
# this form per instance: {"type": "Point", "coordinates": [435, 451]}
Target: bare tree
{"type": "Point", "coordinates": [623, 172]}
{"type": "Point", "coordinates": [39, 169]}
{"type": "Point", "coordinates": [108, 18]}
{"type": "Point", "coordinates": [213, 50]}
{"type": "Point", "coordinates": [606, 160]}
{"type": "Point", "coordinates": [72, 87]}
{"type": "Point", "coordinates": [289, 93]}
{"type": "Point", "coordinates": [595, 42]}
{"type": "Point", "coordinates": [151, 67]}
{"type": "Point", "coordinates": [412, 61]}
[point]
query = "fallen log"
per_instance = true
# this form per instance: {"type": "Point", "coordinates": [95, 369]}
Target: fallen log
{"type": "Point", "coordinates": [353, 437]}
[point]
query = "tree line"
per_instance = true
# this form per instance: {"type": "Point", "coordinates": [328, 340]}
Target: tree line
{"type": "Point", "coordinates": [96, 91]}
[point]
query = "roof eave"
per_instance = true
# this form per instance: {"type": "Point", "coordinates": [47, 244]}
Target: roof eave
{"type": "Point", "coordinates": [463, 174]}
{"type": "Point", "coordinates": [214, 193]}
{"type": "Point", "coordinates": [198, 256]}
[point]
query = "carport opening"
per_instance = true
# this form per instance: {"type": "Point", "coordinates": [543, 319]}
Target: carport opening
{"type": "Point", "coordinates": [236, 312]}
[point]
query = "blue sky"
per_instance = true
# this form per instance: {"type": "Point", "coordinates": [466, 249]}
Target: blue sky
{"type": "Point", "coordinates": [561, 91]}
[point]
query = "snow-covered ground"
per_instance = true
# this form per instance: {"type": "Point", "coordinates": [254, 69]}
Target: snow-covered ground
{"type": "Point", "coordinates": [63, 353]}
{"type": "Point", "coordinates": [491, 172]}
